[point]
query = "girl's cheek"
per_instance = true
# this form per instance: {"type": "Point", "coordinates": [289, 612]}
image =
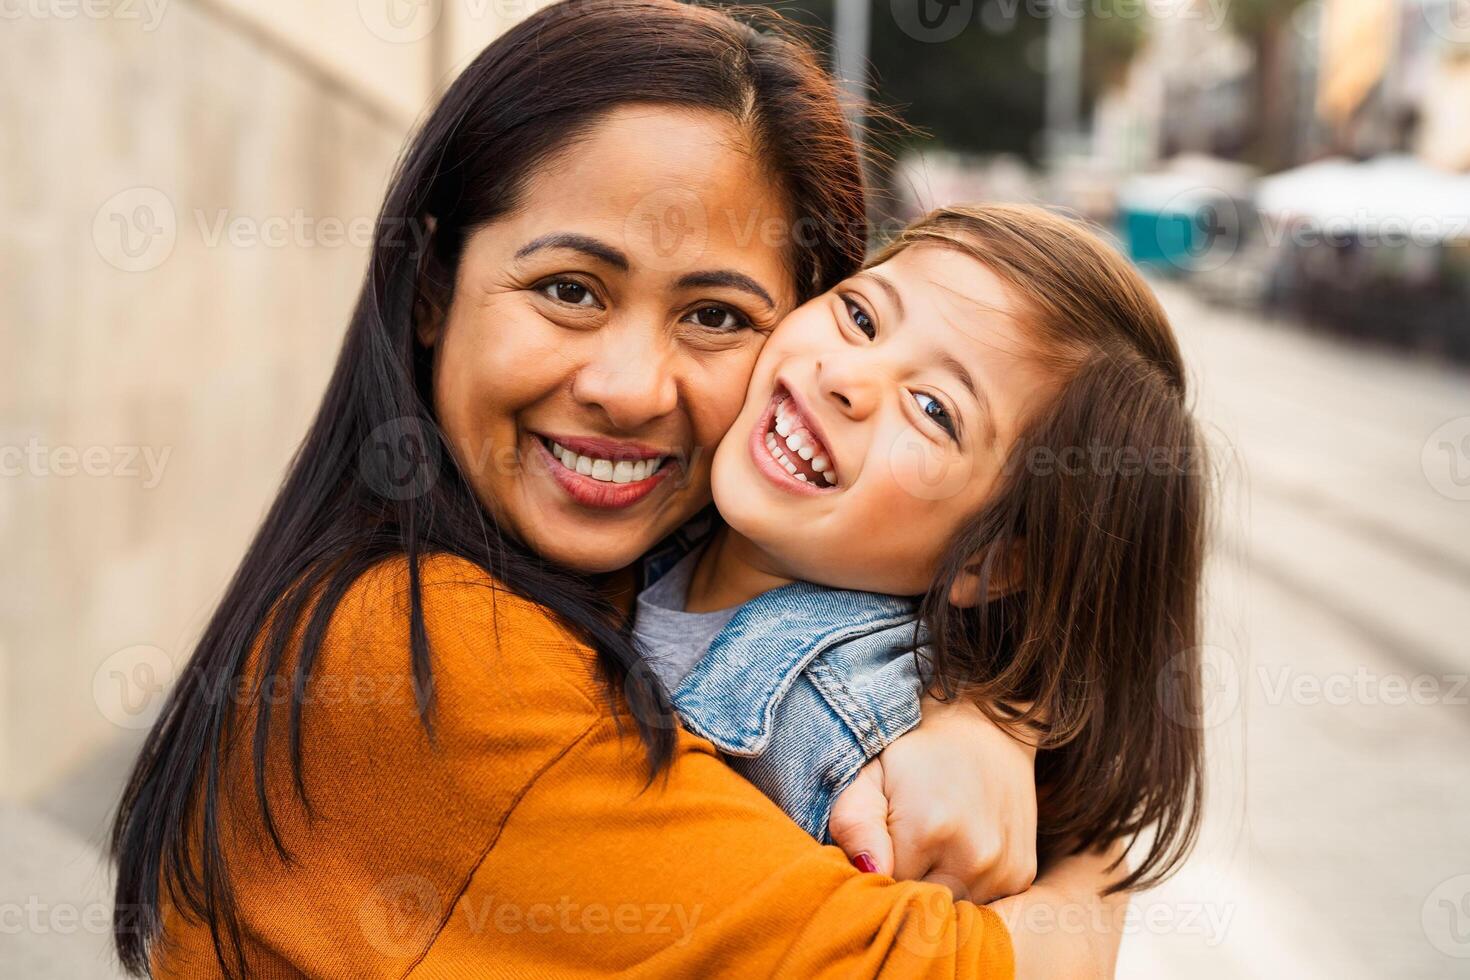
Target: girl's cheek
{"type": "Point", "coordinates": [925, 472]}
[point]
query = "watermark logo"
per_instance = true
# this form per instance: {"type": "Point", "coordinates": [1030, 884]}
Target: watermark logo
{"type": "Point", "coordinates": [1198, 233]}
{"type": "Point", "coordinates": [673, 223]}
{"type": "Point", "coordinates": [400, 21]}
{"type": "Point", "coordinates": [928, 471]}
{"type": "Point", "coordinates": [130, 686]}
{"type": "Point", "coordinates": [1200, 687]}
{"type": "Point", "coordinates": [399, 460]}
{"type": "Point", "coordinates": [1445, 917]}
{"type": "Point", "coordinates": [932, 21]}
{"type": "Point", "coordinates": [135, 230]}
{"type": "Point", "coordinates": [1450, 19]}
{"type": "Point", "coordinates": [401, 915]}
{"type": "Point", "coordinates": [1446, 459]}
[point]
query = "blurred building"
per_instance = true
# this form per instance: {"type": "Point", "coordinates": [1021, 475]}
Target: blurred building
{"type": "Point", "coordinates": [189, 189]}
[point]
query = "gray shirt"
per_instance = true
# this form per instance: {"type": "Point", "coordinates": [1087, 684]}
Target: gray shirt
{"type": "Point", "coordinates": [671, 640]}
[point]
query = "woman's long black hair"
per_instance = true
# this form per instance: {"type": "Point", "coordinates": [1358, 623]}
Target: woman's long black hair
{"type": "Point", "coordinates": [373, 478]}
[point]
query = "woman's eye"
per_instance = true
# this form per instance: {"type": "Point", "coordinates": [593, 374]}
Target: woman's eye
{"type": "Point", "coordinates": [717, 318]}
{"type": "Point", "coordinates": [934, 409]}
{"type": "Point", "coordinates": [861, 320]}
{"type": "Point", "coordinates": [569, 291]}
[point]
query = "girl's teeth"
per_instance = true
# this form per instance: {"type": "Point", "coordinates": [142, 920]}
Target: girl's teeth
{"type": "Point", "coordinates": [788, 435]}
{"type": "Point", "coordinates": [622, 471]}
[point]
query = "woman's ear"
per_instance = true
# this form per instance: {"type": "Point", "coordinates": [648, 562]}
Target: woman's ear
{"type": "Point", "coordinates": [994, 575]}
{"type": "Point", "coordinates": [429, 307]}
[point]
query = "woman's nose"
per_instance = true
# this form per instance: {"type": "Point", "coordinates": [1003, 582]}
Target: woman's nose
{"type": "Point", "coordinates": [848, 384]}
{"type": "Point", "coordinates": [629, 378]}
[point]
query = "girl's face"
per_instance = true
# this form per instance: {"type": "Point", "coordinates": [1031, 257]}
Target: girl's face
{"type": "Point", "coordinates": [601, 337]}
{"type": "Point", "coordinates": [878, 420]}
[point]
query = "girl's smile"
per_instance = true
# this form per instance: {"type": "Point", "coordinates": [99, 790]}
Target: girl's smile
{"type": "Point", "coordinates": [788, 448]}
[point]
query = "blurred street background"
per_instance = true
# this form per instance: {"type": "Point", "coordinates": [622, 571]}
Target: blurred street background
{"type": "Point", "coordinates": [187, 189]}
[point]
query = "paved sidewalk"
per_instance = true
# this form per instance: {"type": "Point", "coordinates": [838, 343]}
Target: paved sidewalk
{"type": "Point", "coordinates": [1339, 813]}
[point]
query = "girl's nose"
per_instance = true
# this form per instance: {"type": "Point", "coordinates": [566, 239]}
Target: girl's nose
{"type": "Point", "coordinates": [848, 384]}
{"type": "Point", "coordinates": [630, 378]}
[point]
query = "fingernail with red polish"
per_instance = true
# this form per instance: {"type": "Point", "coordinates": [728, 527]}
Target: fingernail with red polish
{"type": "Point", "coordinates": [863, 862]}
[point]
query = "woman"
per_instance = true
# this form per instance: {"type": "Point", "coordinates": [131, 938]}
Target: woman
{"type": "Point", "coordinates": [407, 739]}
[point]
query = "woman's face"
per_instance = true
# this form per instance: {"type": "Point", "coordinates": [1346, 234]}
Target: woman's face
{"type": "Point", "coordinates": [600, 338]}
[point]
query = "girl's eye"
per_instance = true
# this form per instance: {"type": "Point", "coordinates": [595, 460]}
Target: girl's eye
{"type": "Point", "coordinates": [934, 409]}
{"type": "Point", "coordinates": [861, 320]}
{"type": "Point", "coordinates": [569, 291]}
{"type": "Point", "coordinates": [718, 318]}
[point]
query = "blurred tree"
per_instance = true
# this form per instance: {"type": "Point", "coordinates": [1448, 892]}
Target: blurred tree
{"type": "Point", "coordinates": [971, 74]}
{"type": "Point", "coordinates": [1115, 32]}
{"type": "Point", "coordinates": [1266, 26]}
{"type": "Point", "coordinates": [968, 73]}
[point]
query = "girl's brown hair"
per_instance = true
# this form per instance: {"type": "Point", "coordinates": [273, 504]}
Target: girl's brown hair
{"type": "Point", "coordinates": [1094, 542]}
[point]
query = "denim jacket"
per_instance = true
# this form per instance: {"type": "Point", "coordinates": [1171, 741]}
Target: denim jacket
{"type": "Point", "coordinates": [802, 687]}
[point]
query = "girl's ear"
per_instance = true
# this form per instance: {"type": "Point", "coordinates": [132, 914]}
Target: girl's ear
{"type": "Point", "coordinates": [996, 574]}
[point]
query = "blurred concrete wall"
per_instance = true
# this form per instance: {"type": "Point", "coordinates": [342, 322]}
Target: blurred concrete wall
{"type": "Point", "coordinates": [187, 191]}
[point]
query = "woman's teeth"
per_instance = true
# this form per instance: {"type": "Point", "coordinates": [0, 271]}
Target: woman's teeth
{"type": "Point", "coordinates": [606, 470]}
{"type": "Point", "coordinates": [788, 438]}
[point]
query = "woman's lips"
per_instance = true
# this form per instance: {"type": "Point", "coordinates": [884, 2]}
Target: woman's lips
{"type": "Point", "coordinates": [602, 473]}
{"type": "Point", "coordinates": [786, 450]}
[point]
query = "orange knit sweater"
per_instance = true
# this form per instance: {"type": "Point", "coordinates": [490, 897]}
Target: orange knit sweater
{"type": "Point", "coordinates": [521, 840]}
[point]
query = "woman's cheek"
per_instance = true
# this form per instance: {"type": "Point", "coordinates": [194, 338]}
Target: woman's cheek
{"type": "Point", "coordinates": [716, 402]}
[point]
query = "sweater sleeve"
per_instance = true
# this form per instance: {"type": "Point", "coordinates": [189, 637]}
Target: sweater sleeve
{"type": "Point", "coordinates": [523, 838]}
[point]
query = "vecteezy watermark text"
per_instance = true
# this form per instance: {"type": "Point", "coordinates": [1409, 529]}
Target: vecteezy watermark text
{"type": "Point", "coordinates": [36, 458]}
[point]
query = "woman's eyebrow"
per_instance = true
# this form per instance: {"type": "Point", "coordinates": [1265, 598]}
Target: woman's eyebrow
{"type": "Point", "coordinates": [580, 243]}
{"type": "Point", "coordinates": [726, 277]}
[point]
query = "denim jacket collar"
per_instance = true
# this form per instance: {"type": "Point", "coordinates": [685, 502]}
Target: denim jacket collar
{"type": "Point", "coordinates": [733, 692]}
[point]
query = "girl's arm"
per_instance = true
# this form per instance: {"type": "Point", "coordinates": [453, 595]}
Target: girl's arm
{"type": "Point", "coordinates": [953, 801]}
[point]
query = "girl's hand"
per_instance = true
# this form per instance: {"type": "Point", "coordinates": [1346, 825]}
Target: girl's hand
{"type": "Point", "coordinates": [1063, 926]}
{"type": "Point", "coordinates": [953, 801]}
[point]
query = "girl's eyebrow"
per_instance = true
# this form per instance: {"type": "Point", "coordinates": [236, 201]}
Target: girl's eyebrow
{"type": "Point", "coordinates": [953, 365]}
{"type": "Point", "coordinates": [888, 287]}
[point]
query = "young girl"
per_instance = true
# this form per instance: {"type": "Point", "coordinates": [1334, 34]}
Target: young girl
{"type": "Point", "coordinates": [977, 450]}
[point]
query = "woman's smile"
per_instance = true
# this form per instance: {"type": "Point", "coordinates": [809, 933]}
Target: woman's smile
{"type": "Point", "coordinates": [604, 473]}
